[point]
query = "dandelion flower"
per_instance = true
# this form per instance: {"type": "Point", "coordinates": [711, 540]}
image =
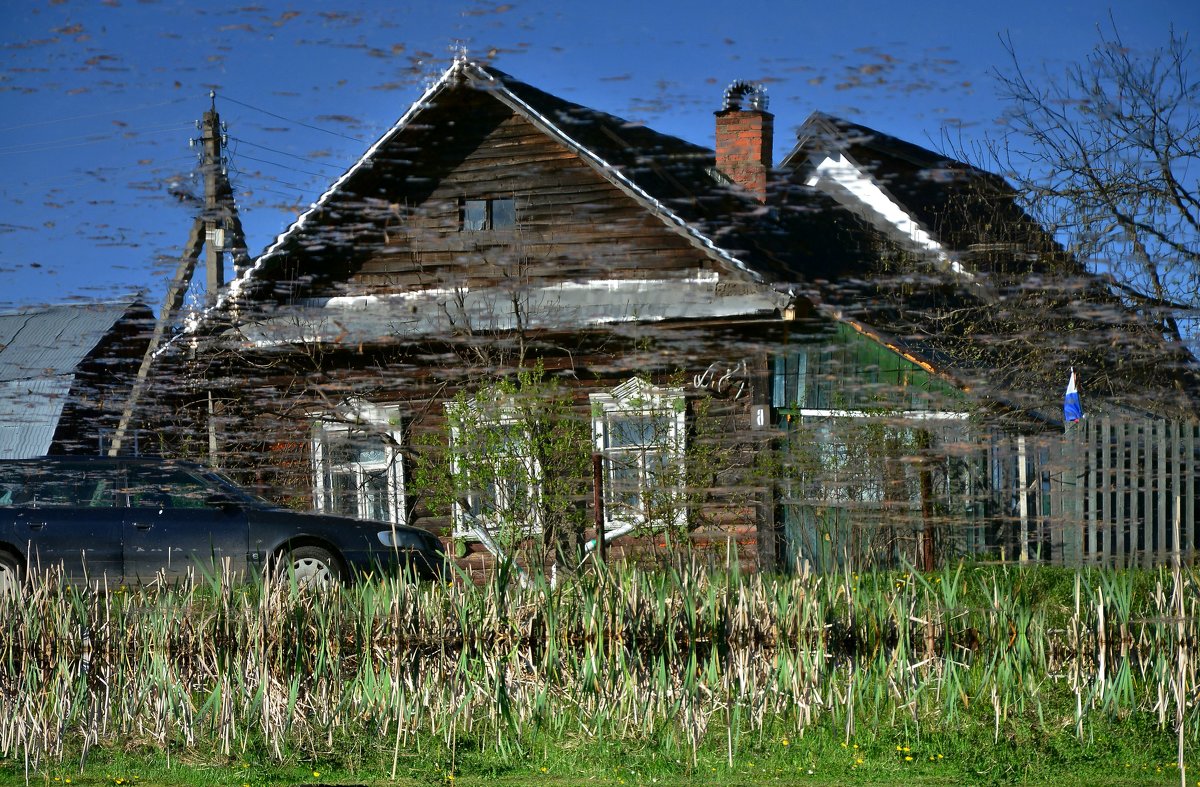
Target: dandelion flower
{"type": "Point", "coordinates": [908, 758]}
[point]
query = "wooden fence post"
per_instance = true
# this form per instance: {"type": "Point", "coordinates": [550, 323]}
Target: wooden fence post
{"type": "Point", "coordinates": [1189, 500]}
{"type": "Point", "coordinates": [1096, 462]}
{"type": "Point", "coordinates": [1022, 500]}
{"type": "Point", "coordinates": [1163, 474]}
{"type": "Point", "coordinates": [1117, 486]}
{"type": "Point", "coordinates": [598, 505]}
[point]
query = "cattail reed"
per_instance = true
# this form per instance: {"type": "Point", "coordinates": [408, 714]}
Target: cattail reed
{"type": "Point", "coordinates": [686, 657]}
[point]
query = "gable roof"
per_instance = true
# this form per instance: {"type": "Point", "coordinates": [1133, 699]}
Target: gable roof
{"type": "Point", "coordinates": [41, 353]}
{"type": "Point", "coordinates": [928, 201]}
{"type": "Point", "coordinates": [672, 179]}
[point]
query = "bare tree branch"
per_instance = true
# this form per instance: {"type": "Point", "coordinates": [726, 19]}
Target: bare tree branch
{"type": "Point", "coordinates": [1107, 156]}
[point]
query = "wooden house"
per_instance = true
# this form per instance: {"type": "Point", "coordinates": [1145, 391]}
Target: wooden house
{"type": "Point", "coordinates": [520, 322]}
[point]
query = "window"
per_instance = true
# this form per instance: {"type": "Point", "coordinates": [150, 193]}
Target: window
{"type": "Point", "coordinates": [56, 484]}
{"type": "Point", "coordinates": [357, 464]}
{"type": "Point", "coordinates": [639, 432]}
{"type": "Point", "coordinates": [497, 477]}
{"type": "Point", "coordinates": [478, 215]}
{"type": "Point", "coordinates": [149, 486]}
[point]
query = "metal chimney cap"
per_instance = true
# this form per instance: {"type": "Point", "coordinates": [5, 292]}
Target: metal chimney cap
{"type": "Point", "coordinates": [736, 92]}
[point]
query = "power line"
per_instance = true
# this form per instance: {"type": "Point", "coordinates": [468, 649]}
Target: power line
{"type": "Point", "coordinates": [298, 199]}
{"type": "Point", "coordinates": [242, 141]}
{"type": "Point", "coordinates": [90, 139]}
{"type": "Point", "coordinates": [78, 177]}
{"type": "Point", "coordinates": [275, 180]}
{"type": "Point", "coordinates": [282, 166]}
{"type": "Point", "coordinates": [290, 120]}
{"type": "Point", "coordinates": [94, 114]}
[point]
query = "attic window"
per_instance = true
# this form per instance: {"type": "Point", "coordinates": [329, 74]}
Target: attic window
{"type": "Point", "coordinates": [494, 213]}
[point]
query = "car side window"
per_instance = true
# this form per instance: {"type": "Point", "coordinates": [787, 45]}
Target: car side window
{"type": "Point", "coordinates": [59, 486]}
{"type": "Point", "coordinates": [12, 492]}
{"type": "Point", "coordinates": [152, 487]}
{"type": "Point", "coordinates": [15, 486]}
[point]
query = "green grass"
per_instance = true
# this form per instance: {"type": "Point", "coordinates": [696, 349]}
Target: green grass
{"type": "Point", "coordinates": [1119, 755]}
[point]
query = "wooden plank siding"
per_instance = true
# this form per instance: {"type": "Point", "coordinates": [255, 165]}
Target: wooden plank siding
{"type": "Point", "coordinates": [267, 428]}
{"type": "Point", "coordinates": [1107, 493]}
{"type": "Point", "coordinates": [571, 223]}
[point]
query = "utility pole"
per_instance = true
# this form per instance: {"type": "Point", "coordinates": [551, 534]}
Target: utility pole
{"type": "Point", "coordinates": [217, 228]}
{"type": "Point", "coordinates": [213, 169]}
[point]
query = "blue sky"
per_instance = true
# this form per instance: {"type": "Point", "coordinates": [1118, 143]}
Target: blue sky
{"type": "Point", "coordinates": [98, 98]}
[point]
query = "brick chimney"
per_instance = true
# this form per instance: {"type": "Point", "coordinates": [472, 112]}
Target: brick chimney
{"type": "Point", "coordinates": [745, 137]}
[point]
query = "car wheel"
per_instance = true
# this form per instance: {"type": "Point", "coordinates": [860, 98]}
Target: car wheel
{"type": "Point", "coordinates": [10, 576]}
{"type": "Point", "coordinates": [312, 567]}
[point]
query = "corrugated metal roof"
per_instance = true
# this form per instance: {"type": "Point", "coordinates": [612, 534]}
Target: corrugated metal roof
{"type": "Point", "coordinates": [29, 413]}
{"type": "Point", "coordinates": [55, 339]}
{"type": "Point", "coordinates": [40, 351]}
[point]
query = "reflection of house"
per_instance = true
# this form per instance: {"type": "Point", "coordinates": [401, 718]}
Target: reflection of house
{"type": "Point", "coordinates": [670, 308]}
{"type": "Point", "coordinates": [64, 374]}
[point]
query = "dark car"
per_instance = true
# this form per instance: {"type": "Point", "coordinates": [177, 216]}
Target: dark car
{"type": "Point", "coordinates": [126, 520]}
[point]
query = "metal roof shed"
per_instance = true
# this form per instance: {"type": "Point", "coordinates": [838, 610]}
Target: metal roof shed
{"type": "Point", "coordinates": [62, 371]}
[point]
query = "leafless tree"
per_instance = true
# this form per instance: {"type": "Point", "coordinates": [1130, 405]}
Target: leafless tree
{"type": "Point", "coordinates": [1108, 155]}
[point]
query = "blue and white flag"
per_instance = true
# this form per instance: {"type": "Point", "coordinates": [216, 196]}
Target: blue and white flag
{"type": "Point", "coordinates": [1072, 407]}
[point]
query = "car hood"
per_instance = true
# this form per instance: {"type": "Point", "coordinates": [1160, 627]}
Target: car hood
{"type": "Point", "coordinates": [342, 529]}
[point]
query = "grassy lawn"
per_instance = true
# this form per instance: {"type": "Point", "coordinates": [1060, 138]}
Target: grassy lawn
{"type": "Point", "coordinates": [1120, 755]}
{"type": "Point", "coordinates": [742, 774]}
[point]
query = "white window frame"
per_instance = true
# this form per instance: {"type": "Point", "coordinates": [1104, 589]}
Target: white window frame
{"type": "Point", "coordinates": [492, 412]}
{"type": "Point", "coordinates": [639, 398]}
{"type": "Point", "coordinates": [360, 417]}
